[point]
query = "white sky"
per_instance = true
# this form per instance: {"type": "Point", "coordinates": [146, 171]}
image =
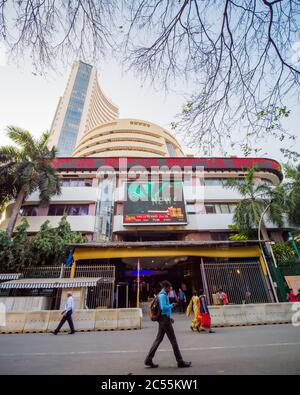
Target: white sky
{"type": "Point", "coordinates": [30, 101]}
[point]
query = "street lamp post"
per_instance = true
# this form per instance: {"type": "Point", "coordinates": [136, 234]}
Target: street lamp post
{"type": "Point", "coordinates": [138, 283]}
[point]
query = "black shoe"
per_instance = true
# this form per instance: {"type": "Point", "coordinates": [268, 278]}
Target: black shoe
{"type": "Point", "coordinates": [183, 364]}
{"type": "Point", "coordinates": [54, 333]}
{"type": "Point", "coordinates": [211, 331]}
{"type": "Point", "coordinates": [71, 333]}
{"type": "Point", "coordinates": [151, 364]}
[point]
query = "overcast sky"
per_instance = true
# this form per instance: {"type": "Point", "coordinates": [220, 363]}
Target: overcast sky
{"type": "Point", "coordinates": [30, 101]}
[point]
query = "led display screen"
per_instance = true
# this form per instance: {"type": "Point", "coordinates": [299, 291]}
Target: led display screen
{"type": "Point", "coordinates": [154, 203]}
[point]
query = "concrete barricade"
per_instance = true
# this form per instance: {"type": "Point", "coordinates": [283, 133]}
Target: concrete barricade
{"type": "Point", "coordinates": [217, 316]}
{"type": "Point", "coordinates": [255, 314]}
{"type": "Point", "coordinates": [84, 319]}
{"type": "Point", "coordinates": [129, 318]}
{"type": "Point", "coordinates": [234, 315]}
{"type": "Point", "coordinates": [124, 319]}
{"type": "Point", "coordinates": [106, 320]}
{"type": "Point", "coordinates": [278, 313]}
{"type": "Point", "coordinates": [15, 323]}
{"type": "Point", "coordinates": [54, 320]}
{"type": "Point", "coordinates": [251, 314]}
{"type": "Point", "coordinates": [37, 321]}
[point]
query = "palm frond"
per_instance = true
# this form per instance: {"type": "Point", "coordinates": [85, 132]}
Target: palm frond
{"type": "Point", "coordinates": [9, 153]}
{"type": "Point", "coordinates": [21, 137]}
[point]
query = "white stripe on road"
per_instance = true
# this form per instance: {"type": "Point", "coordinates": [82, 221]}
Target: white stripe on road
{"type": "Point", "coordinates": [113, 352]}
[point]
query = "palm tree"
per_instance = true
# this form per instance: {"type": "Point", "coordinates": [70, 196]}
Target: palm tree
{"type": "Point", "coordinates": [292, 187]}
{"type": "Point", "coordinates": [26, 168]}
{"type": "Point", "coordinates": [258, 198]}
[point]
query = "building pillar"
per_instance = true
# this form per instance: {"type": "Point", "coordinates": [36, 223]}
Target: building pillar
{"type": "Point", "coordinates": [92, 209]}
{"type": "Point", "coordinates": [204, 280]}
{"type": "Point", "coordinates": [42, 211]}
{"type": "Point", "coordinates": [73, 270]}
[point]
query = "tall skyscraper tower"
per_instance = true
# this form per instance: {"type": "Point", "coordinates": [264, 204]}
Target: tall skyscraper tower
{"type": "Point", "coordinates": [82, 107]}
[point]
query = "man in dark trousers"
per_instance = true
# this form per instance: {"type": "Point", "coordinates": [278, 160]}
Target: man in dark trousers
{"type": "Point", "coordinates": [67, 315]}
{"type": "Point", "coordinates": [165, 327]}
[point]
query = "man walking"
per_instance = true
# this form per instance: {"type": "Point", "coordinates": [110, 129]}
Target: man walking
{"type": "Point", "coordinates": [165, 327]}
{"type": "Point", "coordinates": [67, 315]}
{"type": "Point", "coordinates": [181, 301]}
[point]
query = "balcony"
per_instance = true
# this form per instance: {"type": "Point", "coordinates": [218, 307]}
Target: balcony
{"type": "Point", "coordinates": [208, 194]}
{"type": "Point", "coordinates": [221, 194]}
{"type": "Point", "coordinates": [196, 223]}
{"type": "Point", "coordinates": [70, 195]}
{"type": "Point", "coordinates": [83, 224]}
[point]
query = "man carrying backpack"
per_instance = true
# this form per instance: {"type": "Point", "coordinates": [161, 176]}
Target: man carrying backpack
{"type": "Point", "coordinates": [165, 323]}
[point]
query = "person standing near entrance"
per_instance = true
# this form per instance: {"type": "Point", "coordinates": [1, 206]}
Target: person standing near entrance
{"type": "Point", "coordinates": [67, 315]}
{"type": "Point", "coordinates": [165, 323]}
{"type": "Point", "coordinates": [181, 301]}
{"type": "Point", "coordinates": [222, 298]}
{"type": "Point", "coordinates": [172, 296]}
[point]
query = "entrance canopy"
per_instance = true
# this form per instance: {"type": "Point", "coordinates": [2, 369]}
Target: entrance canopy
{"type": "Point", "coordinates": [207, 249]}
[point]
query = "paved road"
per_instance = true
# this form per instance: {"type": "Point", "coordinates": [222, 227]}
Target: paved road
{"type": "Point", "coordinates": [245, 350]}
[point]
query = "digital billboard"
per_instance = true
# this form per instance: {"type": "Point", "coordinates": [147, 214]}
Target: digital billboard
{"type": "Point", "coordinates": [154, 203]}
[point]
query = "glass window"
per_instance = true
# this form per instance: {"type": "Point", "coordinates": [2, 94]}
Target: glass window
{"type": "Point", "coordinates": [220, 236]}
{"type": "Point", "coordinates": [71, 210]}
{"type": "Point", "coordinates": [224, 209]}
{"type": "Point", "coordinates": [76, 182]}
{"type": "Point", "coordinates": [232, 208]}
{"type": "Point", "coordinates": [191, 208]}
{"type": "Point", "coordinates": [29, 211]}
{"type": "Point", "coordinates": [171, 150]}
{"type": "Point", "coordinates": [71, 124]}
{"type": "Point", "coordinates": [213, 182]}
{"type": "Point", "coordinates": [220, 208]}
{"type": "Point", "coordinates": [210, 209]}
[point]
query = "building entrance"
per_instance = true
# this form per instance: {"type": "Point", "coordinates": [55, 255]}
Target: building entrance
{"type": "Point", "coordinates": [183, 272]}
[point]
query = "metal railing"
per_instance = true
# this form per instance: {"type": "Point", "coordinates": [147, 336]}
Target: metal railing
{"type": "Point", "coordinates": [46, 272]}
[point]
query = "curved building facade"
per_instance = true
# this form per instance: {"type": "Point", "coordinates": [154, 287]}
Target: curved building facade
{"type": "Point", "coordinates": [128, 138]}
{"type": "Point", "coordinates": [82, 107]}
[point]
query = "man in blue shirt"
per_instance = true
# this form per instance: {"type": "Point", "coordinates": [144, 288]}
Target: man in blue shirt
{"type": "Point", "coordinates": [165, 327]}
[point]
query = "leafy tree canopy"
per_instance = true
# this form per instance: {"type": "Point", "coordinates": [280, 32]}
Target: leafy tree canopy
{"type": "Point", "coordinates": [50, 246]}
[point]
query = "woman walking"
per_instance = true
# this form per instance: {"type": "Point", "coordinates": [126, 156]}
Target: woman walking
{"type": "Point", "coordinates": [193, 307]}
{"type": "Point", "coordinates": [203, 315]}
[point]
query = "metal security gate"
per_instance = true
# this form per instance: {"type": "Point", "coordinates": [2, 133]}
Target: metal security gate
{"type": "Point", "coordinates": [101, 296]}
{"type": "Point", "coordinates": [243, 281]}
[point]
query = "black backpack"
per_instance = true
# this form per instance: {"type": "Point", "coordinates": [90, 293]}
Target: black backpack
{"type": "Point", "coordinates": [154, 311]}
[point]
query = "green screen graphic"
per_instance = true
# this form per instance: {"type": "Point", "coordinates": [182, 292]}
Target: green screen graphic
{"type": "Point", "coordinates": [154, 203]}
